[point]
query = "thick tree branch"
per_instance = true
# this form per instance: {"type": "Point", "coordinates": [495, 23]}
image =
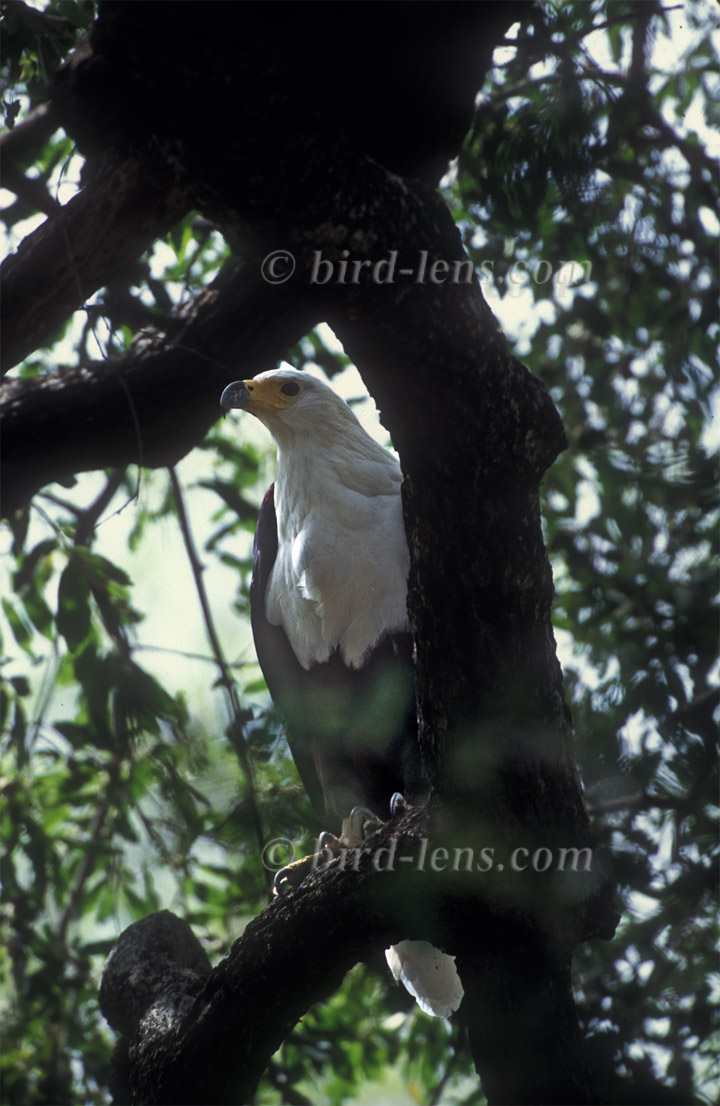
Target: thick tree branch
{"type": "Point", "coordinates": [294, 954]}
{"type": "Point", "coordinates": [118, 214]}
{"type": "Point", "coordinates": [152, 405]}
{"type": "Point", "coordinates": [157, 991]}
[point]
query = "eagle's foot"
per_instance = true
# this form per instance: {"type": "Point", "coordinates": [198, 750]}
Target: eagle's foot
{"type": "Point", "coordinates": [330, 846]}
{"type": "Point", "coordinates": [329, 841]}
{"type": "Point", "coordinates": [398, 805]}
{"type": "Point", "coordinates": [292, 875]}
{"type": "Point", "coordinates": [360, 823]}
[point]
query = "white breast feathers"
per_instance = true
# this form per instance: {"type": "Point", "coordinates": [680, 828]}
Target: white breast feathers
{"type": "Point", "coordinates": [340, 577]}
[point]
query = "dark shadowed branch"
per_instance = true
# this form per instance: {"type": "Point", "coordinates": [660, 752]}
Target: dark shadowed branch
{"type": "Point", "coordinates": [153, 404]}
{"type": "Point", "coordinates": [116, 216]}
{"type": "Point", "coordinates": [174, 1013]}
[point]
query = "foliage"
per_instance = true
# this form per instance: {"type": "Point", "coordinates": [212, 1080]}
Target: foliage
{"type": "Point", "coordinates": [128, 786]}
{"type": "Point", "coordinates": [630, 510]}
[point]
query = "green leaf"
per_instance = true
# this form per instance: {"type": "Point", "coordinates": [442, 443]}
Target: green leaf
{"type": "Point", "coordinates": [20, 629]}
{"type": "Point", "coordinates": [73, 614]}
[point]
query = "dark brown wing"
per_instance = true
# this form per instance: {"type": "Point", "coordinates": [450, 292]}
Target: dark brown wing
{"type": "Point", "coordinates": [280, 667]}
{"type": "Point", "coordinates": [352, 732]}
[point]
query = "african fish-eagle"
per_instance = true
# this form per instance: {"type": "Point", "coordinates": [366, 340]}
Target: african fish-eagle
{"type": "Point", "coordinates": [328, 604]}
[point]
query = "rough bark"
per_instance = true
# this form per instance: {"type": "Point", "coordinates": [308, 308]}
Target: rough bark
{"type": "Point", "coordinates": [189, 1041]}
{"type": "Point", "coordinates": [191, 1034]}
{"type": "Point", "coordinates": [522, 1025]}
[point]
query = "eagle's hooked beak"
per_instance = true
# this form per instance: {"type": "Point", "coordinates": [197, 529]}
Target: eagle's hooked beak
{"type": "Point", "coordinates": [235, 395]}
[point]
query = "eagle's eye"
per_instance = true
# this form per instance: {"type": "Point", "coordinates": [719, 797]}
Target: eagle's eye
{"type": "Point", "coordinates": [291, 388]}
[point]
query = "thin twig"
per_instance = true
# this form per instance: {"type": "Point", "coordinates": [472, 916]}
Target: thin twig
{"type": "Point", "coordinates": [439, 1092]}
{"type": "Point", "coordinates": [187, 654]}
{"type": "Point", "coordinates": [84, 872]}
{"type": "Point", "coordinates": [226, 679]}
{"type": "Point", "coordinates": [88, 520]}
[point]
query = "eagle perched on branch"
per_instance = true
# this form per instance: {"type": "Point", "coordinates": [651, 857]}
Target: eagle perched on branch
{"type": "Point", "coordinates": [328, 606]}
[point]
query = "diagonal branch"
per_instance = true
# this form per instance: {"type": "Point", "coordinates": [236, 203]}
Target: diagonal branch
{"type": "Point", "coordinates": [174, 1011]}
{"type": "Point", "coordinates": [119, 213]}
{"type": "Point", "coordinates": [154, 403]}
{"type": "Point", "coordinates": [292, 955]}
{"type": "Point", "coordinates": [157, 988]}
